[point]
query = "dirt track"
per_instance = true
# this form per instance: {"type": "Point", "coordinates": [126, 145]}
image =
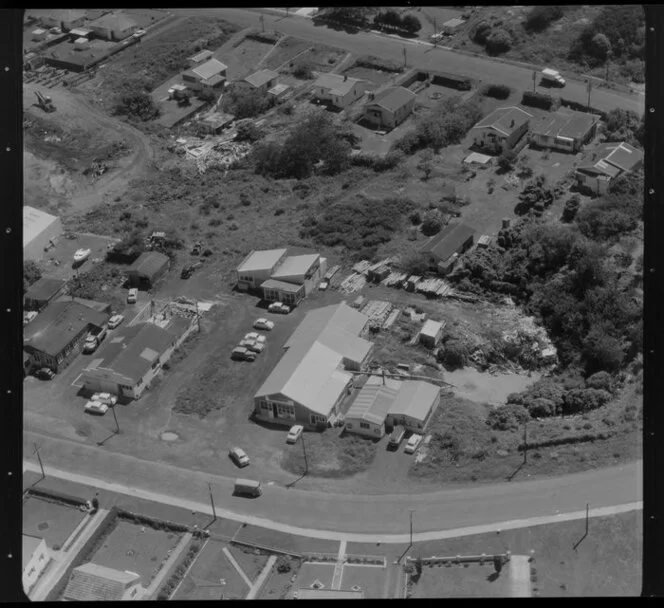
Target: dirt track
{"type": "Point", "coordinates": [73, 111]}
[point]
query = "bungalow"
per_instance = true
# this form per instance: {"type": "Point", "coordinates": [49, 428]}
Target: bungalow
{"type": "Point", "coordinates": [263, 80]}
{"type": "Point", "coordinates": [148, 269]}
{"type": "Point", "coordinates": [207, 76]}
{"type": "Point", "coordinates": [41, 292]}
{"type": "Point", "coordinates": [93, 583]}
{"type": "Point", "coordinates": [414, 405]}
{"type": "Point", "coordinates": [501, 129]}
{"type": "Point", "coordinates": [442, 249]}
{"type": "Point", "coordinates": [565, 131]}
{"type": "Point", "coordinates": [608, 161]}
{"type": "Point", "coordinates": [339, 91]}
{"type": "Point", "coordinates": [310, 382]}
{"type": "Point", "coordinates": [390, 108]}
{"type": "Point", "coordinates": [113, 26]}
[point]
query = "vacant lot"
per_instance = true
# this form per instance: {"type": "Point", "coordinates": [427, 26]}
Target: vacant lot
{"type": "Point", "coordinates": [463, 580]}
{"type": "Point", "coordinates": [245, 58]}
{"type": "Point", "coordinates": [51, 521]}
{"type": "Point", "coordinates": [607, 562]}
{"type": "Point", "coordinates": [319, 57]}
{"type": "Point", "coordinates": [136, 548]}
{"type": "Point", "coordinates": [278, 584]}
{"type": "Point", "coordinates": [252, 561]}
{"type": "Point", "coordinates": [212, 575]}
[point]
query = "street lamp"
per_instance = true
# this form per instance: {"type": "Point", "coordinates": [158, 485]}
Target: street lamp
{"type": "Point", "coordinates": [411, 526]}
{"type": "Point", "coordinates": [304, 451]}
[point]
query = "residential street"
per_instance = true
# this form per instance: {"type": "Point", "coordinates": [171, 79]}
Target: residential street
{"type": "Point", "coordinates": [443, 510]}
{"type": "Point", "coordinates": [421, 55]}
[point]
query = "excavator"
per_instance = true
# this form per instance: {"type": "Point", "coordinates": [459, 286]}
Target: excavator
{"type": "Point", "coordinates": [45, 102]}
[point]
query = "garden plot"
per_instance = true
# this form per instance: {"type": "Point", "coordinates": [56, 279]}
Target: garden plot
{"type": "Point", "coordinates": [280, 580]}
{"type": "Point", "coordinates": [140, 549]}
{"type": "Point", "coordinates": [244, 59]}
{"type": "Point", "coordinates": [52, 521]}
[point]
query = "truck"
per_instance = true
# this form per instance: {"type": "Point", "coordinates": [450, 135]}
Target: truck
{"type": "Point", "coordinates": [552, 78]}
{"type": "Point", "coordinates": [396, 437]}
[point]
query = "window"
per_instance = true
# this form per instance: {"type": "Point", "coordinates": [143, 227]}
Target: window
{"type": "Point", "coordinates": [349, 425]}
{"type": "Point", "coordinates": [364, 425]}
{"type": "Point", "coordinates": [316, 419]}
{"type": "Point", "coordinates": [265, 405]}
{"type": "Point", "coordinates": [285, 411]}
{"type": "Point", "coordinates": [377, 431]}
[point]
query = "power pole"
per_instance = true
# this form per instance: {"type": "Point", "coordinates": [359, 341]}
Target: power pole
{"type": "Point", "coordinates": [587, 516]}
{"type": "Point", "coordinates": [117, 426]}
{"type": "Point", "coordinates": [262, 20]}
{"type": "Point", "coordinates": [304, 451]}
{"type": "Point", "coordinates": [411, 527]}
{"type": "Point", "coordinates": [534, 80]}
{"type": "Point", "coordinates": [435, 31]}
{"type": "Point", "coordinates": [608, 60]}
{"type": "Point", "coordinates": [287, 11]}
{"type": "Point", "coordinates": [214, 513]}
{"type": "Point", "coordinates": [525, 442]}
{"type": "Point", "coordinates": [40, 460]}
{"type": "Point", "coordinates": [590, 88]}
{"type": "Point", "coordinates": [405, 56]}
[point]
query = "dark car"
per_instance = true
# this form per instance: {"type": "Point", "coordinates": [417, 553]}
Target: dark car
{"type": "Point", "coordinates": [45, 373]}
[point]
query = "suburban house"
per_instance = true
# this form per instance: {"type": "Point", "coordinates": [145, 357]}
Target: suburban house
{"type": "Point", "coordinates": [310, 381]}
{"type": "Point", "coordinates": [67, 19]}
{"type": "Point", "coordinates": [113, 26]}
{"type": "Point", "coordinates": [41, 292]}
{"type": "Point", "coordinates": [128, 363]}
{"type": "Point", "coordinates": [148, 268]}
{"type": "Point", "coordinates": [565, 131]}
{"type": "Point", "coordinates": [94, 583]}
{"type": "Point", "coordinates": [390, 107]}
{"type": "Point", "coordinates": [385, 402]}
{"type": "Point", "coordinates": [199, 58]}
{"type": "Point", "coordinates": [431, 333]}
{"type": "Point", "coordinates": [56, 335]}
{"type": "Point", "coordinates": [501, 130]}
{"type": "Point", "coordinates": [339, 91]}
{"type": "Point", "coordinates": [281, 277]}
{"type": "Point", "coordinates": [35, 556]}
{"type": "Point", "coordinates": [40, 232]}
{"type": "Point", "coordinates": [443, 249]}
{"type": "Point", "coordinates": [608, 161]}
{"type": "Point", "coordinates": [263, 80]}
{"type": "Point", "coordinates": [207, 76]}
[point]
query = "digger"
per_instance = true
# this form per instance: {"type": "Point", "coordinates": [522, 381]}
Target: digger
{"type": "Point", "coordinates": [44, 102]}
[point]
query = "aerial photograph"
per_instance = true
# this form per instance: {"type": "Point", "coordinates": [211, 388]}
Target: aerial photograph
{"type": "Point", "coordinates": [333, 303]}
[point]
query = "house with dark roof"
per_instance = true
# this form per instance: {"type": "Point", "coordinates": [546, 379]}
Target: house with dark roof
{"type": "Point", "coordinates": [443, 249]}
{"type": "Point", "coordinates": [94, 583]}
{"type": "Point", "coordinates": [148, 268]}
{"type": "Point", "coordinates": [207, 76]}
{"type": "Point", "coordinates": [605, 163]}
{"type": "Point", "coordinates": [564, 130]}
{"type": "Point", "coordinates": [337, 90]}
{"type": "Point", "coordinates": [41, 292]}
{"type": "Point", "coordinates": [390, 107]}
{"type": "Point", "coordinates": [56, 335]}
{"type": "Point", "coordinates": [133, 356]}
{"type": "Point", "coordinates": [501, 129]}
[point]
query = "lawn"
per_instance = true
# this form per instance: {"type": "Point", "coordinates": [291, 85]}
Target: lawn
{"type": "Point", "coordinates": [280, 541]}
{"type": "Point", "coordinates": [311, 572]}
{"type": "Point", "coordinates": [145, 17]}
{"type": "Point", "coordinates": [244, 58]}
{"type": "Point", "coordinates": [252, 561]}
{"type": "Point", "coordinates": [606, 563]}
{"type": "Point", "coordinates": [278, 584]}
{"type": "Point", "coordinates": [137, 548]}
{"type": "Point", "coordinates": [467, 580]}
{"type": "Point", "coordinates": [211, 575]}
{"type": "Point", "coordinates": [370, 579]}
{"type": "Point", "coordinates": [318, 56]}
{"type": "Point", "coordinates": [51, 521]}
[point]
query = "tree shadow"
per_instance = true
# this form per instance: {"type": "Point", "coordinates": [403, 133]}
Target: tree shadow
{"type": "Point", "coordinates": [493, 577]}
{"type": "Point", "coordinates": [576, 545]}
{"type": "Point", "coordinates": [512, 475]}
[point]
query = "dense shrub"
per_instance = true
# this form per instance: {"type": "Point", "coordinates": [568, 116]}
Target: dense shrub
{"type": "Point", "coordinates": [498, 41]}
{"type": "Point", "coordinates": [432, 222]}
{"type": "Point", "coordinates": [507, 417]}
{"type": "Point", "coordinates": [455, 354]}
{"type": "Point", "coordinates": [507, 160]}
{"type": "Point", "coordinates": [481, 32]}
{"type": "Point", "coordinates": [411, 24]}
{"type": "Point", "coordinates": [600, 380]}
{"type": "Point", "coordinates": [584, 400]}
{"type": "Point", "coordinates": [622, 125]}
{"type": "Point", "coordinates": [137, 105]}
{"type": "Point", "coordinates": [571, 208]}
{"type": "Point", "coordinates": [541, 408]}
{"type": "Point", "coordinates": [303, 71]}
{"type": "Point", "coordinates": [247, 130]}
{"type": "Point", "coordinates": [602, 351]}
{"type": "Point", "coordinates": [243, 101]}
{"type": "Point", "coordinates": [415, 217]}
{"type": "Point", "coordinates": [540, 17]}
{"type": "Point", "coordinates": [31, 274]}
{"type": "Point", "coordinates": [497, 91]}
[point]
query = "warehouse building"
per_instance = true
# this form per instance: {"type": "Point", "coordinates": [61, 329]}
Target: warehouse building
{"type": "Point", "coordinates": [257, 267]}
{"type": "Point", "coordinates": [310, 382]}
{"type": "Point", "coordinates": [113, 26]}
{"type": "Point", "coordinates": [148, 269]}
{"type": "Point", "coordinates": [443, 249]}
{"type": "Point", "coordinates": [56, 335]}
{"type": "Point", "coordinates": [40, 232]}
{"type": "Point", "coordinates": [41, 292]}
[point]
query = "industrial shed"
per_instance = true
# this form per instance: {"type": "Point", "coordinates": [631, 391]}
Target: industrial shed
{"type": "Point", "coordinates": [40, 230]}
{"type": "Point", "coordinates": [41, 292]}
{"type": "Point", "coordinates": [431, 333]}
{"type": "Point", "coordinates": [451, 241]}
{"type": "Point", "coordinates": [148, 269]}
{"type": "Point", "coordinates": [414, 405]}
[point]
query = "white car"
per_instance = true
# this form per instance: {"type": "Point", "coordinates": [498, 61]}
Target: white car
{"type": "Point", "coordinates": [294, 433]}
{"type": "Point", "coordinates": [239, 456]}
{"type": "Point", "coordinates": [278, 307]}
{"type": "Point", "coordinates": [29, 316]}
{"type": "Point", "coordinates": [90, 345]}
{"type": "Point", "coordinates": [96, 407]}
{"type": "Point", "coordinates": [81, 255]}
{"type": "Point", "coordinates": [106, 398]}
{"type": "Point", "coordinates": [323, 285]}
{"type": "Point", "coordinates": [263, 324]}
{"type": "Point", "coordinates": [252, 335]}
{"type": "Point", "coordinates": [413, 444]}
{"type": "Point", "coordinates": [132, 296]}
{"type": "Point", "coordinates": [246, 343]}
{"type": "Point", "coordinates": [114, 321]}
{"type": "Point", "coordinates": [256, 347]}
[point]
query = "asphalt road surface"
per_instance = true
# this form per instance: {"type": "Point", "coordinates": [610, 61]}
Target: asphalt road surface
{"type": "Point", "coordinates": [420, 55]}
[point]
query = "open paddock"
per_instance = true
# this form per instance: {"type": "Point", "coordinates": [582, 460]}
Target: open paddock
{"type": "Point", "coordinates": [54, 522]}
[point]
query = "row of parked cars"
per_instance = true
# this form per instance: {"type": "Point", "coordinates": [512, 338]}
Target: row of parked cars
{"type": "Point", "coordinates": [99, 403]}
{"type": "Point", "coordinates": [253, 343]}
{"type": "Point", "coordinates": [240, 458]}
{"type": "Point", "coordinates": [94, 340]}
{"type": "Point", "coordinates": [397, 436]}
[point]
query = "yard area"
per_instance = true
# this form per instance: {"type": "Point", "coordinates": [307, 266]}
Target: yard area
{"type": "Point", "coordinates": [54, 522]}
{"type": "Point", "coordinates": [252, 561]}
{"type": "Point", "coordinates": [244, 59]}
{"type": "Point", "coordinates": [280, 541]}
{"type": "Point", "coordinates": [212, 575]}
{"type": "Point", "coordinates": [372, 580]}
{"type": "Point", "coordinates": [145, 17]}
{"type": "Point", "coordinates": [608, 562]}
{"type": "Point", "coordinates": [318, 56]}
{"type": "Point", "coordinates": [278, 584]}
{"type": "Point", "coordinates": [312, 572]}
{"type": "Point", "coordinates": [463, 580]}
{"type": "Point", "coordinates": [140, 549]}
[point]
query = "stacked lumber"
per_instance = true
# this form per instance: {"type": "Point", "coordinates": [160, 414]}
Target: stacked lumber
{"type": "Point", "coordinates": [353, 282]}
{"type": "Point", "coordinates": [391, 320]}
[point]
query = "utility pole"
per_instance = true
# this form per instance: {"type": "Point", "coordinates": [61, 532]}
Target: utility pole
{"type": "Point", "coordinates": [262, 20]}
{"type": "Point", "coordinates": [287, 11]}
{"type": "Point", "coordinates": [435, 31]}
{"type": "Point", "coordinates": [534, 80]}
{"type": "Point", "coordinates": [304, 451]}
{"type": "Point", "coordinates": [608, 60]}
{"type": "Point", "coordinates": [405, 56]}
{"type": "Point", "coordinates": [214, 513]}
{"type": "Point", "coordinates": [40, 460]}
{"type": "Point", "coordinates": [590, 88]}
{"type": "Point", "coordinates": [117, 426]}
{"type": "Point", "coordinates": [411, 527]}
{"type": "Point", "coordinates": [525, 442]}
{"type": "Point", "coordinates": [587, 516]}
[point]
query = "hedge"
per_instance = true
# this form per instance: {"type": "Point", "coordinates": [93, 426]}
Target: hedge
{"type": "Point", "coordinates": [497, 91]}
{"type": "Point", "coordinates": [546, 443]}
{"type": "Point", "coordinates": [537, 100]}
{"type": "Point", "coordinates": [179, 572]}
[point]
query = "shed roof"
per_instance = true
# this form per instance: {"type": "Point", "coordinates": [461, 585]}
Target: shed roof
{"type": "Point", "coordinates": [28, 547]}
{"type": "Point", "coordinates": [431, 328]}
{"type": "Point", "coordinates": [504, 120]}
{"type": "Point", "coordinates": [202, 56]}
{"type": "Point", "coordinates": [258, 79]}
{"type": "Point", "coordinates": [572, 125]}
{"type": "Point", "coordinates": [45, 288]}
{"type": "Point", "coordinates": [281, 285]}
{"type": "Point", "coordinates": [98, 306]}
{"type": "Point", "coordinates": [393, 98]}
{"type": "Point", "coordinates": [295, 265]}
{"type": "Point", "coordinates": [338, 85]}
{"type": "Point", "coordinates": [92, 582]}
{"type": "Point", "coordinates": [116, 21]}
{"type": "Point", "coordinates": [57, 325]}
{"type": "Point", "coordinates": [415, 399]}
{"type": "Point", "coordinates": [261, 260]}
{"type": "Point", "coordinates": [613, 158]}
{"type": "Point", "coordinates": [373, 402]}
{"type": "Point", "coordinates": [210, 68]}
{"type": "Point", "coordinates": [35, 221]}
{"type": "Point", "coordinates": [448, 240]}
{"type": "Point", "coordinates": [149, 264]}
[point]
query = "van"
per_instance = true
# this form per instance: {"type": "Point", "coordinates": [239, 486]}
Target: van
{"type": "Point", "coordinates": [247, 487]}
{"type": "Point", "coordinates": [552, 77]}
{"type": "Point", "coordinates": [396, 437]}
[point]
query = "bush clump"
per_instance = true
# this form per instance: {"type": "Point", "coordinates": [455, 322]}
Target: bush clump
{"type": "Point", "coordinates": [497, 91]}
{"type": "Point", "coordinates": [507, 417]}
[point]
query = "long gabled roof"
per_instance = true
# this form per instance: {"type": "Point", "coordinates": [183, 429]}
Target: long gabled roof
{"type": "Point", "coordinates": [92, 582]}
{"type": "Point", "coordinates": [149, 263]}
{"type": "Point", "coordinates": [448, 240]}
{"type": "Point", "coordinates": [614, 158]}
{"type": "Point", "coordinates": [504, 120]}
{"type": "Point", "coordinates": [258, 79]}
{"type": "Point", "coordinates": [338, 85]}
{"type": "Point", "coordinates": [415, 399]}
{"type": "Point", "coordinates": [373, 402]}
{"type": "Point", "coordinates": [393, 98]}
{"type": "Point", "coordinates": [570, 125]}
{"type": "Point", "coordinates": [45, 288]}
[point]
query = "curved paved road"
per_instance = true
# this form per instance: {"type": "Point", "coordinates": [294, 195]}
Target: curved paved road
{"type": "Point", "coordinates": [388, 514]}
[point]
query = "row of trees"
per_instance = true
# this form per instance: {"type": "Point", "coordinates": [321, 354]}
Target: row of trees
{"type": "Point", "coordinates": [390, 17]}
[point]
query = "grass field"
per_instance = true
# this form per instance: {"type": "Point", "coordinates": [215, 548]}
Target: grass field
{"type": "Point", "coordinates": [606, 563]}
{"type": "Point", "coordinates": [140, 549]}
{"type": "Point", "coordinates": [370, 579]}
{"type": "Point", "coordinates": [280, 541]}
{"type": "Point", "coordinates": [251, 561]}
{"type": "Point", "coordinates": [467, 580]}
{"type": "Point", "coordinates": [311, 572]}
{"type": "Point", "coordinates": [278, 584]}
{"type": "Point", "coordinates": [51, 521]}
{"type": "Point", "coordinates": [318, 56]}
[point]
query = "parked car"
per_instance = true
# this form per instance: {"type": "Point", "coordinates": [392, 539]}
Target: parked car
{"type": "Point", "coordinates": [256, 347]}
{"type": "Point", "coordinates": [252, 335]}
{"type": "Point", "coordinates": [114, 321]}
{"type": "Point", "coordinates": [81, 255]}
{"type": "Point", "coordinates": [106, 398]}
{"type": "Point", "coordinates": [413, 443]}
{"type": "Point", "coordinates": [242, 353]}
{"type": "Point", "coordinates": [323, 285]}
{"type": "Point", "coordinates": [294, 433]}
{"type": "Point", "coordinates": [45, 373]}
{"type": "Point", "coordinates": [263, 324]}
{"type": "Point", "coordinates": [246, 343]}
{"type": "Point", "coordinates": [103, 332]}
{"type": "Point", "coordinates": [96, 407]}
{"type": "Point", "coordinates": [239, 457]}
{"type": "Point", "coordinates": [132, 296]}
{"type": "Point", "coordinates": [29, 316]}
{"type": "Point", "coordinates": [247, 487]}
{"type": "Point", "coordinates": [279, 307]}
{"type": "Point", "coordinates": [261, 340]}
{"type": "Point", "coordinates": [90, 345]}
{"type": "Point", "coordinates": [396, 437]}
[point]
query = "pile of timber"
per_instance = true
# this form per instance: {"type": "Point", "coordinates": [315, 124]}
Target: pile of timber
{"type": "Point", "coordinates": [391, 320]}
{"type": "Point", "coordinates": [353, 282]}
{"type": "Point", "coordinates": [395, 279]}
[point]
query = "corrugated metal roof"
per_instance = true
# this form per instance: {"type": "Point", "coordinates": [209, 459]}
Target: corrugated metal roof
{"type": "Point", "coordinates": [448, 240]}
{"type": "Point", "coordinates": [295, 265]}
{"type": "Point", "coordinates": [624, 156]}
{"type": "Point", "coordinates": [574, 125]}
{"type": "Point", "coordinates": [393, 98]}
{"type": "Point", "coordinates": [504, 120]}
{"type": "Point", "coordinates": [281, 285]}
{"type": "Point", "coordinates": [45, 288]}
{"type": "Point", "coordinates": [261, 260]}
{"type": "Point", "coordinates": [415, 399]}
{"type": "Point", "coordinates": [258, 79]}
{"type": "Point", "coordinates": [35, 222]}
{"type": "Point", "coordinates": [210, 68]}
{"type": "Point", "coordinates": [431, 328]}
{"type": "Point", "coordinates": [149, 264]}
{"type": "Point", "coordinates": [372, 403]}
{"type": "Point", "coordinates": [92, 582]}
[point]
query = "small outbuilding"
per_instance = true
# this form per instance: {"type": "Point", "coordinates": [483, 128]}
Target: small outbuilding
{"type": "Point", "coordinates": [148, 269]}
{"type": "Point", "coordinates": [431, 333]}
{"type": "Point", "coordinates": [263, 80]}
{"type": "Point", "coordinates": [440, 250]}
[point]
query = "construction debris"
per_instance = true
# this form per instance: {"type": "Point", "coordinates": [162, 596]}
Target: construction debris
{"type": "Point", "coordinates": [377, 311]}
{"type": "Point", "coordinates": [361, 267]}
{"type": "Point", "coordinates": [353, 282]}
{"type": "Point", "coordinates": [391, 320]}
{"type": "Point", "coordinates": [395, 279]}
